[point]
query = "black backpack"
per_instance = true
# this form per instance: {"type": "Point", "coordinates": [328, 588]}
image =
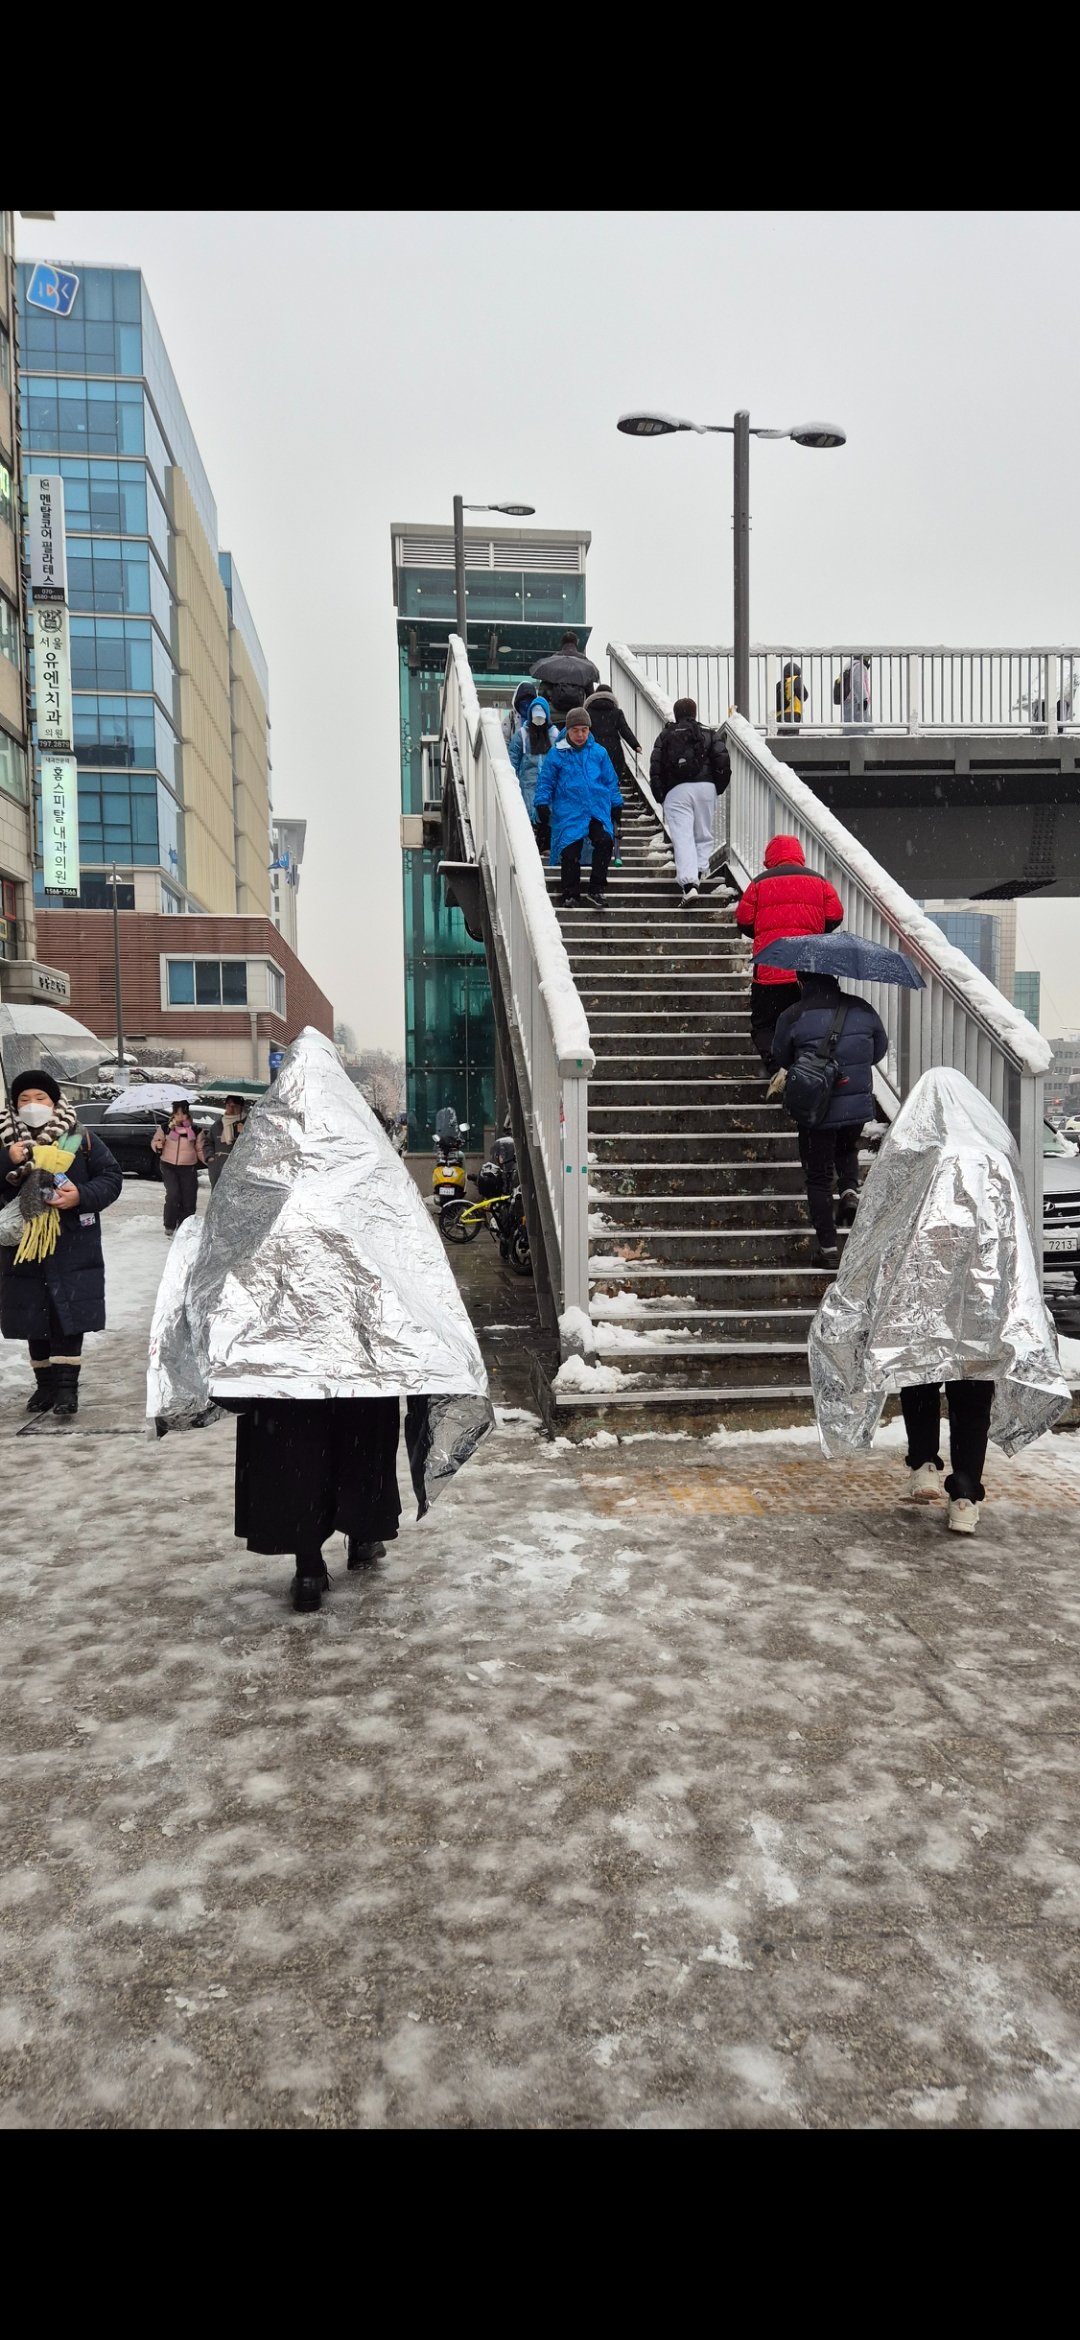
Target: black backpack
{"type": "Point", "coordinates": [813, 1075]}
{"type": "Point", "coordinates": [687, 753]}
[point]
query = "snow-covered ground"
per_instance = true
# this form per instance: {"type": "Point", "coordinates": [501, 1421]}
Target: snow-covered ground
{"type": "Point", "coordinates": [657, 1783]}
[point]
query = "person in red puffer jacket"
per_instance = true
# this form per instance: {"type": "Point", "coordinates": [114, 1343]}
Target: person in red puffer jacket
{"type": "Point", "coordinates": [787, 898]}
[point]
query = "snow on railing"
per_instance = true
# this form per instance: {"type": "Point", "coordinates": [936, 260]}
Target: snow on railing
{"type": "Point", "coordinates": [960, 1018]}
{"type": "Point", "coordinates": [544, 1005]}
{"type": "Point", "coordinates": [908, 688]}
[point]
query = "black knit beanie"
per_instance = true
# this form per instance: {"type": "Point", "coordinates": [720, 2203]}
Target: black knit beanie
{"type": "Point", "coordinates": [33, 1080]}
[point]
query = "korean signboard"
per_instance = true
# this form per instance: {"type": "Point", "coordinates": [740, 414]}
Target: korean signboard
{"type": "Point", "coordinates": [52, 676]}
{"type": "Point", "coordinates": [60, 824]}
{"type": "Point", "coordinates": [48, 566]}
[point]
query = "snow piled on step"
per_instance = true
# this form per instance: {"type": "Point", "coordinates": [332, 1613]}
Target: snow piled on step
{"type": "Point", "coordinates": [623, 1336]}
{"type": "Point", "coordinates": [633, 1304]}
{"type": "Point", "coordinates": [574, 1373]}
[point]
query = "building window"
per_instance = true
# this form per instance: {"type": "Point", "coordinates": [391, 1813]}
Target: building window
{"type": "Point", "coordinates": [12, 767]}
{"type": "Point", "coordinates": [7, 508]}
{"type": "Point", "coordinates": [275, 990]}
{"type": "Point", "coordinates": [204, 983]}
{"type": "Point", "coordinates": [5, 358]}
{"type": "Point", "coordinates": [10, 644]}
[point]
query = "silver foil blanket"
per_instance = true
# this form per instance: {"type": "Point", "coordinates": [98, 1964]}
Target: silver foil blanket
{"type": "Point", "coordinates": [318, 1273]}
{"type": "Point", "coordinates": [939, 1279]}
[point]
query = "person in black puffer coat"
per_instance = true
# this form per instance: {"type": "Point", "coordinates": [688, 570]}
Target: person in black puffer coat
{"type": "Point", "coordinates": [51, 1301]}
{"type": "Point", "coordinates": [611, 728]}
{"type": "Point", "coordinates": [831, 1151]}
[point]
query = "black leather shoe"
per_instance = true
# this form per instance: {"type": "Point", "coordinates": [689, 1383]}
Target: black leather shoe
{"type": "Point", "coordinates": [307, 1591]}
{"type": "Point", "coordinates": [364, 1555]}
{"type": "Point", "coordinates": [44, 1391]}
{"type": "Point", "coordinates": [826, 1259]}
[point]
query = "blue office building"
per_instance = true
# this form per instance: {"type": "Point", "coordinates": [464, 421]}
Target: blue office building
{"type": "Point", "coordinates": [166, 667]}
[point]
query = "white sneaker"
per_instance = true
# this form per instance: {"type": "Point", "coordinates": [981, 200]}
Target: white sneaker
{"type": "Point", "coordinates": [963, 1516]}
{"type": "Point", "coordinates": [924, 1485]}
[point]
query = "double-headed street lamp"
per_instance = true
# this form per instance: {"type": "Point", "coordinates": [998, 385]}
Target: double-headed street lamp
{"type": "Point", "coordinates": [652, 426]}
{"type": "Point", "coordinates": [516, 512]}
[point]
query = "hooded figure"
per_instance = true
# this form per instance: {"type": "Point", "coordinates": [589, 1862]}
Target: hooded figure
{"type": "Point", "coordinates": [532, 741]}
{"type": "Point", "coordinates": [939, 1283]}
{"type": "Point", "coordinates": [786, 899]}
{"type": "Point", "coordinates": [577, 798]}
{"type": "Point", "coordinates": [311, 1299]}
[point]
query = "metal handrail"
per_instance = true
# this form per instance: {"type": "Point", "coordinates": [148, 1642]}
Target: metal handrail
{"type": "Point", "coordinates": [543, 1005]}
{"type": "Point", "coordinates": [960, 1018]}
{"type": "Point", "coordinates": [915, 688]}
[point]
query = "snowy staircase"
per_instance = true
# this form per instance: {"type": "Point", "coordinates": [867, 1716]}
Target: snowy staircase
{"type": "Point", "coordinates": [701, 1288]}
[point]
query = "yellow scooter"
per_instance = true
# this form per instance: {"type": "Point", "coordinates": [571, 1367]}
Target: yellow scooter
{"type": "Point", "coordinates": [448, 1174]}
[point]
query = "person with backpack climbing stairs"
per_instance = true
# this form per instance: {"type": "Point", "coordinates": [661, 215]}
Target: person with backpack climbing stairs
{"type": "Point", "coordinates": [828, 1043]}
{"type": "Point", "coordinates": [688, 769]}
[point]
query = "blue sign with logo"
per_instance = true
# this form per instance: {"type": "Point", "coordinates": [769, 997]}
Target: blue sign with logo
{"type": "Point", "coordinates": [277, 1059]}
{"type": "Point", "coordinates": [52, 288]}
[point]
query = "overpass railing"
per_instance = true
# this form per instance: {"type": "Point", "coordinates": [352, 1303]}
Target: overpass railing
{"type": "Point", "coordinates": [913, 690]}
{"type": "Point", "coordinates": [543, 1008]}
{"type": "Point", "coordinates": [960, 1018]}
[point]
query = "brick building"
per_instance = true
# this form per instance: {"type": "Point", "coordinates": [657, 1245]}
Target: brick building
{"type": "Point", "coordinates": [222, 990]}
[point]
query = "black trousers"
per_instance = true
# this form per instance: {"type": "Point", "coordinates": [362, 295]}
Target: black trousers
{"type": "Point", "coordinates": [181, 1194]}
{"type": "Point", "coordinates": [767, 1002]}
{"type": "Point", "coordinates": [58, 1343]}
{"type": "Point", "coordinates": [570, 862]}
{"type": "Point", "coordinates": [828, 1154]}
{"type": "Point", "coordinates": [969, 1404]}
{"type": "Point", "coordinates": [305, 1466]}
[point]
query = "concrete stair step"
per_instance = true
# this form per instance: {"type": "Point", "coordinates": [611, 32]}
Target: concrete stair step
{"type": "Point", "coordinates": [695, 1091]}
{"type": "Point", "coordinates": [786, 1325]}
{"type": "Point", "coordinates": [625, 1147]}
{"type": "Point", "coordinates": [685, 1214]}
{"type": "Point", "coordinates": [693, 1118]}
{"type": "Point", "coordinates": [687, 1061]}
{"type": "Point", "coordinates": [620, 1181]}
{"type": "Point", "coordinates": [640, 1409]}
{"type": "Point", "coordinates": [699, 1365]}
{"type": "Point", "coordinates": [744, 1286]}
{"type": "Point", "coordinates": [721, 1247]}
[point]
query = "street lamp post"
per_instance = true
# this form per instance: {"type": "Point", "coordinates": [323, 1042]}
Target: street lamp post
{"type": "Point", "coordinates": [515, 511]}
{"type": "Point", "coordinates": [654, 426]}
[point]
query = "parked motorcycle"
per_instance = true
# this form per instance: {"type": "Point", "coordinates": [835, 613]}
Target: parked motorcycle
{"type": "Point", "coordinates": [448, 1172]}
{"type": "Point", "coordinates": [498, 1207]}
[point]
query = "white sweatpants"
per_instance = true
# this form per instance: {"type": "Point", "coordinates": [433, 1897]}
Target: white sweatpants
{"type": "Point", "coordinates": [690, 811]}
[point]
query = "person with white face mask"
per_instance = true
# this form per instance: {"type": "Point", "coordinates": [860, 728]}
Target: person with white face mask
{"type": "Point", "coordinates": [52, 1271]}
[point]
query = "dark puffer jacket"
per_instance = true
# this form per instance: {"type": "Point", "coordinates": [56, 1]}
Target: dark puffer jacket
{"type": "Point", "coordinates": [73, 1277]}
{"type": "Point", "coordinates": [786, 899]}
{"type": "Point", "coordinates": [862, 1044]}
{"type": "Point", "coordinates": [610, 727]}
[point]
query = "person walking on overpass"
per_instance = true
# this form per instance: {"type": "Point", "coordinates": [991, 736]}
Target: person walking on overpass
{"type": "Point", "coordinates": [688, 769]}
{"type": "Point", "coordinates": [830, 1150]}
{"type": "Point", "coordinates": [565, 676]}
{"type": "Point", "coordinates": [532, 741]}
{"type": "Point", "coordinates": [786, 898]}
{"type": "Point", "coordinates": [577, 797]}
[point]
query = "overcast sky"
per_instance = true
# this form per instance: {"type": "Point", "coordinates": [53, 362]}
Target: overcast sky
{"type": "Point", "coordinates": [345, 369]}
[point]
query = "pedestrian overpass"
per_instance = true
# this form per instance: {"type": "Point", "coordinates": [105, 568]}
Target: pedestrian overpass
{"type": "Point", "coordinates": [664, 1196]}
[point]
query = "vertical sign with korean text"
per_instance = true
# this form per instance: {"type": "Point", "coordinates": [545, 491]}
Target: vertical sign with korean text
{"type": "Point", "coordinates": [52, 676]}
{"type": "Point", "coordinates": [48, 559]}
{"type": "Point", "coordinates": [60, 824]}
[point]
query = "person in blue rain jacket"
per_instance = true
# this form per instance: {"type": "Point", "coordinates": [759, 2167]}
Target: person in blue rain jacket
{"type": "Point", "coordinates": [576, 796]}
{"type": "Point", "coordinates": [534, 738]}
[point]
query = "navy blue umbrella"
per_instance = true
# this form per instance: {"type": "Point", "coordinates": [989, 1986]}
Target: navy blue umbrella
{"type": "Point", "coordinates": [841, 954]}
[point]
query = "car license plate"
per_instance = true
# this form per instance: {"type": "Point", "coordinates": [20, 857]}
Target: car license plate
{"type": "Point", "coordinates": [448, 1193]}
{"type": "Point", "coordinates": [1062, 1242]}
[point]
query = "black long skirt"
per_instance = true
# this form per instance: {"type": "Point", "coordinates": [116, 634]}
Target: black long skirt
{"type": "Point", "coordinates": [306, 1466]}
